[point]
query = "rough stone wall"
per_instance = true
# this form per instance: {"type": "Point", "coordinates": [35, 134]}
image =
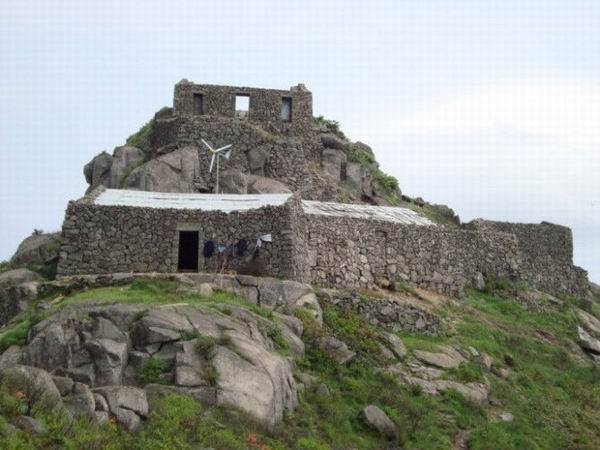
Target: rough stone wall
{"type": "Point", "coordinates": [345, 252]}
{"type": "Point", "coordinates": [547, 254]}
{"type": "Point", "coordinates": [104, 239]}
{"type": "Point", "coordinates": [264, 104]}
{"type": "Point", "coordinates": [328, 251]}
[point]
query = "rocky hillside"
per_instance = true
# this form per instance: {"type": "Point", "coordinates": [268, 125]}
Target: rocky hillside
{"type": "Point", "coordinates": [167, 155]}
{"type": "Point", "coordinates": [237, 362]}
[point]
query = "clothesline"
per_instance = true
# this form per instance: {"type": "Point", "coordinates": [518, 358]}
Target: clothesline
{"type": "Point", "coordinates": [241, 246]}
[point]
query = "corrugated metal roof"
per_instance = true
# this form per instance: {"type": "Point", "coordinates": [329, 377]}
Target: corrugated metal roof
{"type": "Point", "coordinates": [385, 213]}
{"type": "Point", "coordinates": [206, 202]}
{"type": "Point", "coordinates": [238, 202]}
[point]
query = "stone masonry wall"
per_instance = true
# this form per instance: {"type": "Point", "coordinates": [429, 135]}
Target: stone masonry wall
{"type": "Point", "coordinates": [104, 239]}
{"type": "Point", "coordinates": [264, 104]}
{"type": "Point", "coordinates": [346, 252]}
{"type": "Point", "coordinates": [336, 252]}
{"type": "Point", "coordinates": [547, 250]}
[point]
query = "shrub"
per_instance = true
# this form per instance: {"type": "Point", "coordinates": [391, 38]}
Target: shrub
{"type": "Point", "coordinates": [152, 369]}
{"type": "Point", "coordinates": [137, 138]}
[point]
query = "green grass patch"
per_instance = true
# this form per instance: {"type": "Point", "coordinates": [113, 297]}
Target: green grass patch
{"type": "Point", "coordinates": [137, 139]}
{"type": "Point", "coordinates": [152, 370]}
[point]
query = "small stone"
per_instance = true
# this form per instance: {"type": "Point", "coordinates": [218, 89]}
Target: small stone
{"type": "Point", "coordinates": [30, 425]}
{"type": "Point", "coordinates": [374, 417]}
{"type": "Point", "coordinates": [323, 390]}
{"type": "Point", "coordinates": [506, 417]}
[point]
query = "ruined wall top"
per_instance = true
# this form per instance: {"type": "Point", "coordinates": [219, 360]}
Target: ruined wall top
{"type": "Point", "coordinates": [283, 109]}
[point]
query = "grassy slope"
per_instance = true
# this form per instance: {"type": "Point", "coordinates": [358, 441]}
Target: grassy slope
{"type": "Point", "coordinates": [555, 402]}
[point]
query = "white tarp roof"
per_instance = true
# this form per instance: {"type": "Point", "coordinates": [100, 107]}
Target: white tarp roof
{"type": "Point", "coordinates": [241, 202]}
{"type": "Point", "coordinates": [385, 213]}
{"type": "Point", "coordinates": [205, 202]}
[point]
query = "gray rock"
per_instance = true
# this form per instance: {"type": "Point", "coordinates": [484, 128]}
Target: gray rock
{"type": "Point", "coordinates": [129, 420]}
{"type": "Point", "coordinates": [336, 349]}
{"type": "Point", "coordinates": [173, 172]}
{"type": "Point", "coordinates": [97, 171]}
{"type": "Point", "coordinates": [234, 181]}
{"type": "Point", "coordinates": [587, 342]}
{"type": "Point", "coordinates": [330, 140]}
{"type": "Point", "coordinates": [12, 356]}
{"type": "Point", "coordinates": [30, 425]}
{"type": "Point", "coordinates": [254, 380]}
{"type": "Point", "coordinates": [257, 157]}
{"type": "Point", "coordinates": [374, 417]}
{"type": "Point", "coordinates": [101, 403]}
{"type": "Point", "coordinates": [486, 361]}
{"type": "Point", "coordinates": [476, 393]}
{"type": "Point", "coordinates": [394, 343]}
{"type": "Point", "coordinates": [18, 276]}
{"type": "Point", "coordinates": [35, 383]}
{"type": "Point", "coordinates": [101, 417]}
{"type": "Point", "coordinates": [63, 384]}
{"type": "Point", "coordinates": [446, 359]}
{"type": "Point", "coordinates": [590, 323]}
{"type": "Point", "coordinates": [479, 281]}
{"type": "Point", "coordinates": [190, 366]}
{"type": "Point", "coordinates": [359, 179]}
{"type": "Point", "coordinates": [124, 397]}
{"type": "Point", "coordinates": [110, 359]}
{"type": "Point", "coordinates": [80, 403]}
{"type": "Point", "coordinates": [125, 159]}
{"type": "Point", "coordinates": [323, 390]}
{"type": "Point", "coordinates": [205, 290]}
{"type": "Point", "coordinates": [333, 162]}
{"type": "Point", "coordinates": [37, 249]}
{"type": "Point", "coordinates": [506, 417]}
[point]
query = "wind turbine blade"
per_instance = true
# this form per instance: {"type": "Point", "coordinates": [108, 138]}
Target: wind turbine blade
{"type": "Point", "coordinates": [206, 143]}
{"type": "Point", "coordinates": [223, 148]}
{"type": "Point", "coordinates": [228, 154]}
{"type": "Point", "coordinates": [212, 161]}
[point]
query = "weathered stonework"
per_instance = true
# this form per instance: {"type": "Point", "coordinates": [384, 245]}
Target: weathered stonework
{"type": "Point", "coordinates": [264, 104]}
{"type": "Point", "coordinates": [328, 251]}
{"type": "Point", "coordinates": [104, 239]}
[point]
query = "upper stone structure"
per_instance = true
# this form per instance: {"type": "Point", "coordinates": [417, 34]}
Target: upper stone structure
{"type": "Point", "coordinates": [285, 111]}
{"type": "Point", "coordinates": [309, 205]}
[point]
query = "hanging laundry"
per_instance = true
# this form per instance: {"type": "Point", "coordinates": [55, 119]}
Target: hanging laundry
{"type": "Point", "coordinates": [221, 248]}
{"type": "Point", "coordinates": [209, 249]}
{"type": "Point", "coordinates": [263, 238]}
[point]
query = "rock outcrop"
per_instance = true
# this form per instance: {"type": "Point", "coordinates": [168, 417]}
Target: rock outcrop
{"type": "Point", "coordinates": [224, 359]}
{"type": "Point", "coordinates": [37, 249]}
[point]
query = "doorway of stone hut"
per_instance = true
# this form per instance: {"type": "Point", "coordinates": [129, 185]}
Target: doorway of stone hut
{"type": "Point", "coordinates": [188, 251]}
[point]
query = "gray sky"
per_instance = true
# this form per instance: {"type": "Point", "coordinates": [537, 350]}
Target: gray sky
{"type": "Point", "coordinates": [491, 107]}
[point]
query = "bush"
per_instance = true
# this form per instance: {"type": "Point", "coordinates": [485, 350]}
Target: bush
{"type": "Point", "coordinates": [137, 139]}
{"type": "Point", "coordinates": [152, 369]}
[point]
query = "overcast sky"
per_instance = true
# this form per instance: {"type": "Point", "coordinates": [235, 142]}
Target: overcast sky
{"type": "Point", "coordinates": [492, 107]}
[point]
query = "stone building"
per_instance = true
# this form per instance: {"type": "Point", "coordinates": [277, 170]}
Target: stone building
{"type": "Point", "coordinates": [329, 244]}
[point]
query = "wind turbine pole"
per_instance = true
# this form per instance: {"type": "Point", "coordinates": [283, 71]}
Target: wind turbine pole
{"type": "Point", "coordinates": [218, 174]}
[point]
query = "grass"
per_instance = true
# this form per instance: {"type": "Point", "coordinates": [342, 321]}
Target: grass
{"type": "Point", "coordinates": [48, 271]}
{"type": "Point", "coordinates": [137, 138]}
{"type": "Point", "coordinates": [152, 370]}
{"type": "Point", "coordinates": [555, 401]}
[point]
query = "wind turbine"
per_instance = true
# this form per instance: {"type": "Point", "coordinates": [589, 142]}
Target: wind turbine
{"type": "Point", "coordinates": [216, 154]}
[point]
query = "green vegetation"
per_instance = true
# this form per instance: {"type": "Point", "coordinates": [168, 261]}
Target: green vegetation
{"type": "Point", "coordinates": [137, 139]}
{"type": "Point", "coordinates": [152, 370]}
{"type": "Point", "coordinates": [554, 398]}
{"type": "Point", "coordinates": [48, 271]}
{"type": "Point", "coordinates": [388, 185]}
{"type": "Point", "coordinates": [332, 125]}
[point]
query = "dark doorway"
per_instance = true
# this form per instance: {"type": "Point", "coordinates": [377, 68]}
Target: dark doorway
{"type": "Point", "coordinates": [188, 251]}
